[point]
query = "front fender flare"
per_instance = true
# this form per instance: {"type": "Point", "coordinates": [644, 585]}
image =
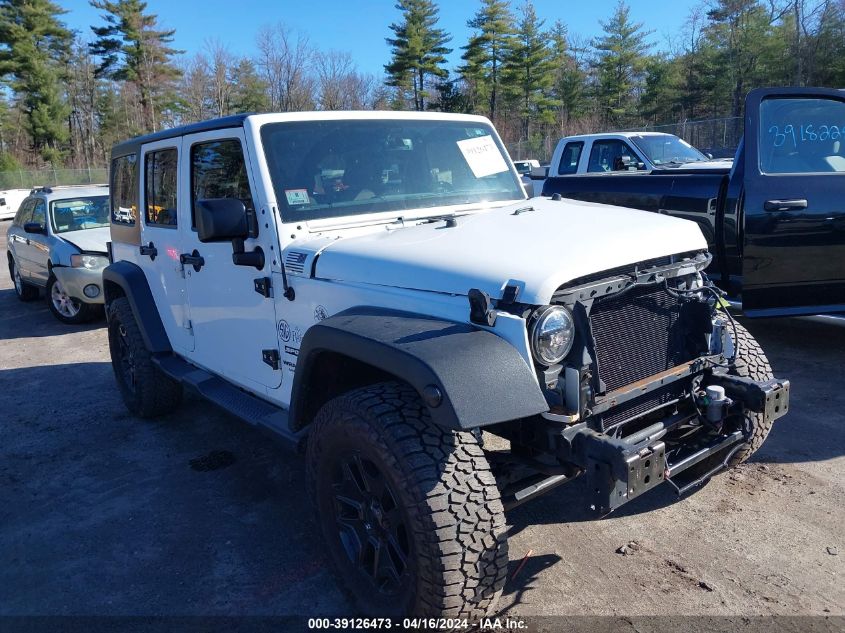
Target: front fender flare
{"type": "Point", "coordinates": [482, 378]}
{"type": "Point", "coordinates": [132, 283]}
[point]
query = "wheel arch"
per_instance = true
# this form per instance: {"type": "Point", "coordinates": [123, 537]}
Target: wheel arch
{"type": "Point", "coordinates": [125, 279]}
{"type": "Point", "coordinates": [468, 377]}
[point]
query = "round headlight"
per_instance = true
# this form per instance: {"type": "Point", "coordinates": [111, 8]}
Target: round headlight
{"type": "Point", "coordinates": [552, 331]}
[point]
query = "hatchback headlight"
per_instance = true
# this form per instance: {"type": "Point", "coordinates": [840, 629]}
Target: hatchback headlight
{"type": "Point", "coordinates": [551, 330]}
{"type": "Point", "coordinates": [91, 262]}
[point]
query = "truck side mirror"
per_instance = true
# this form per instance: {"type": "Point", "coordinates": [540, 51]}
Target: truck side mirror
{"type": "Point", "coordinates": [539, 173]}
{"type": "Point", "coordinates": [35, 227]}
{"type": "Point", "coordinates": [221, 220]}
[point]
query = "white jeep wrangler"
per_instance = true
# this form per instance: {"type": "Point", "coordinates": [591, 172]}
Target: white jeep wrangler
{"type": "Point", "coordinates": [376, 288]}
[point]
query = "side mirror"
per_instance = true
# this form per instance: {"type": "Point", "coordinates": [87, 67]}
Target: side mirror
{"type": "Point", "coordinates": [539, 173]}
{"type": "Point", "coordinates": [221, 220]}
{"type": "Point", "coordinates": [35, 227]}
{"type": "Point", "coordinates": [709, 155]}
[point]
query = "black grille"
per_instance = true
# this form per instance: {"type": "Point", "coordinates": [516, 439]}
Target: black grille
{"type": "Point", "coordinates": [637, 335]}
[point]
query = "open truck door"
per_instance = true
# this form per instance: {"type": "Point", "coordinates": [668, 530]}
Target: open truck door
{"type": "Point", "coordinates": [794, 202]}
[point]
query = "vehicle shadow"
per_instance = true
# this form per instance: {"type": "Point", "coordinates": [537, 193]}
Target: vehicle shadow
{"type": "Point", "coordinates": [30, 319]}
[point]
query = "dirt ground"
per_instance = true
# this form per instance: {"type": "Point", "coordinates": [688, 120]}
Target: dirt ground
{"type": "Point", "coordinates": [102, 513]}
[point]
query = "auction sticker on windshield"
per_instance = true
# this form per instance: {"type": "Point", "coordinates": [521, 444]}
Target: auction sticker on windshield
{"type": "Point", "coordinates": [296, 196]}
{"type": "Point", "coordinates": [483, 156]}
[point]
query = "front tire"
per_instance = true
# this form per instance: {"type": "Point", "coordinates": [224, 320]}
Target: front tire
{"type": "Point", "coordinates": [751, 362]}
{"type": "Point", "coordinates": [145, 390]}
{"type": "Point", "coordinates": [410, 511]}
{"type": "Point", "coordinates": [66, 308]}
{"type": "Point", "coordinates": [23, 290]}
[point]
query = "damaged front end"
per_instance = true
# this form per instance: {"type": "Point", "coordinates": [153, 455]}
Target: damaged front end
{"type": "Point", "coordinates": [652, 390]}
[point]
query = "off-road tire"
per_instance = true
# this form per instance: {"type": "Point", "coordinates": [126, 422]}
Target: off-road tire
{"type": "Point", "coordinates": [751, 362]}
{"type": "Point", "coordinates": [445, 491]}
{"type": "Point", "coordinates": [87, 312]}
{"type": "Point", "coordinates": [145, 390]}
{"type": "Point", "coordinates": [23, 290]}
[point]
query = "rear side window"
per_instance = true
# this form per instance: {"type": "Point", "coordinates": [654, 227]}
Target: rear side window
{"type": "Point", "coordinates": [609, 156]}
{"type": "Point", "coordinates": [124, 189]}
{"type": "Point", "coordinates": [160, 178]}
{"type": "Point", "coordinates": [24, 213]}
{"type": "Point", "coordinates": [218, 170]}
{"type": "Point", "coordinates": [802, 136]}
{"type": "Point", "coordinates": [570, 157]}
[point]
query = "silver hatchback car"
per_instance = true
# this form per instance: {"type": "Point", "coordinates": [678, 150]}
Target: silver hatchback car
{"type": "Point", "coordinates": [57, 241]}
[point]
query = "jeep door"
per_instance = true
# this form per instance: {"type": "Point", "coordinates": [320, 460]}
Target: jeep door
{"type": "Point", "coordinates": [162, 234]}
{"type": "Point", "coordinates": [233, 323]}
{"type": "Point", "coordinates": [794, 202]}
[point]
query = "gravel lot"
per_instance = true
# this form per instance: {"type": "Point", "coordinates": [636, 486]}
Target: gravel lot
{"type": "Point", "coordinates": [102, 513]}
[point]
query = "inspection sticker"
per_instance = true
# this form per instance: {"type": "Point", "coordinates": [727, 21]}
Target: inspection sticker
{"type": "Point", "coordinates": [483, 156]}
{"type": "Point", "coordinates": [297, 196]}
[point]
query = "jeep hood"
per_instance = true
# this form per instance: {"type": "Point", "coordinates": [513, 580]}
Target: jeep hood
{"type": "Point", "coordinates": [537, 250]}
{"type": "Point", "coordinates": [90, 240]}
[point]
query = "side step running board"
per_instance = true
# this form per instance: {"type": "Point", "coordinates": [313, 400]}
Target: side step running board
{"type": "Point", "coordinates": [239, 403]}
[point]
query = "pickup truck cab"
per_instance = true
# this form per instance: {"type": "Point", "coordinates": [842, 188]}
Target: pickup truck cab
{"type": "Point", "coordinates": [628, 151]}
{"type": "Point", "coordinates": [774, 217]}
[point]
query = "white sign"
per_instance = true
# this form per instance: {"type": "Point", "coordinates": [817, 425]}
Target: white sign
{"type": "Point", "coordinates": [483, 156]}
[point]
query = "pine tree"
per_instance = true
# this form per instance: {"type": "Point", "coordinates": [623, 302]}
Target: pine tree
{"type": "Point", "coordinates": [486, 50]}
{"type": "Point", "coordinates": [418, 50]}
{"type": "Point", "coordinates": [34, 49]}
{"type": "Point", "coordinates": [620, 64]}
{"type": "Point", "coordinates": [528, 71]}
{"type": "Point", "coordinates": [250, 91]}
{"type": "Point", "coordinates": [569, 87]}
{"type": "Point", "coordinates": [132, 49]}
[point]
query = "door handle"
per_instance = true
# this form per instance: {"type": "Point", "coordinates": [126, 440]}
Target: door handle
{"type": "Point", "coordinates": [194, 259]}
{"type": "Point", "coordinates": [785, 205]}
{"type": "Point", "coordinates": [150, 251]}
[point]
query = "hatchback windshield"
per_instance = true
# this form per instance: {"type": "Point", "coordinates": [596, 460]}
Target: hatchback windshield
{"type": "Point", "coordinates": [324, 169]}
{"type": "Point", "coordinates": [75, 214]}
{"type": "Point", "coordinates": [668, 150]}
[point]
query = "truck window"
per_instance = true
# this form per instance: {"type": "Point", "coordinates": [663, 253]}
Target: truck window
{"type": "Point", "coordinates": [570, 157]}
{"type": "Point", "coordinates": [160, 177]}
{"type": "Point", "coordinates": [800, 136]}
{"type": "Point", "coordinates": [608, 156]}
{"type": "Point", "coordinates": [218, 170]}
{"type": "Point", "coordinates": [124, 189]}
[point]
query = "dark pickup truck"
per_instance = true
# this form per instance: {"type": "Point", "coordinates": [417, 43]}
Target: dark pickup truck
{"type": "Point", "coordinates": [774, 219]}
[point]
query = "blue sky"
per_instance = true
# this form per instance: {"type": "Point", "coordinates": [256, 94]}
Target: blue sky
{"type": "Point", "coordinates": [360, 26]}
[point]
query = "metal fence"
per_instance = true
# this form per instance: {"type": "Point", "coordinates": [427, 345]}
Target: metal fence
{"type": "Point", "coordinates": [28, 178]}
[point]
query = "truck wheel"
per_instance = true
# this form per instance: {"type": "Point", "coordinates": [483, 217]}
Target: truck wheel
{"type": "Point", "coordinates": [410, 511]}
{"type": "Point", "coordinates": [24, 291]}
{"type": "Point", "coordinates": [146, 391]}
{"type": "Point", "coordinates": [751, 362]}
{"type": "Point", "coordinates": [64, 307]}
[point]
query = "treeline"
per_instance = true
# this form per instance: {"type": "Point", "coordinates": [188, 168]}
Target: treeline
{"type": "Point", "coordinates": [71, 95]}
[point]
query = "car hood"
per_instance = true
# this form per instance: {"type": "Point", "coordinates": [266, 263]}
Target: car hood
{"type": "Point", "coordinates": [92, 240]}
{"type": "Point", "coordinates": [537, 245]}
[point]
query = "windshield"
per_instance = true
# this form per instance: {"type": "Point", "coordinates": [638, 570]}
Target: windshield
{"type": "Point", "coordinates": [76, 214]}
{"type": "Point", "coordinates": [323, 169]}
{"type": "Point", "coordinates": [668, 150]}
